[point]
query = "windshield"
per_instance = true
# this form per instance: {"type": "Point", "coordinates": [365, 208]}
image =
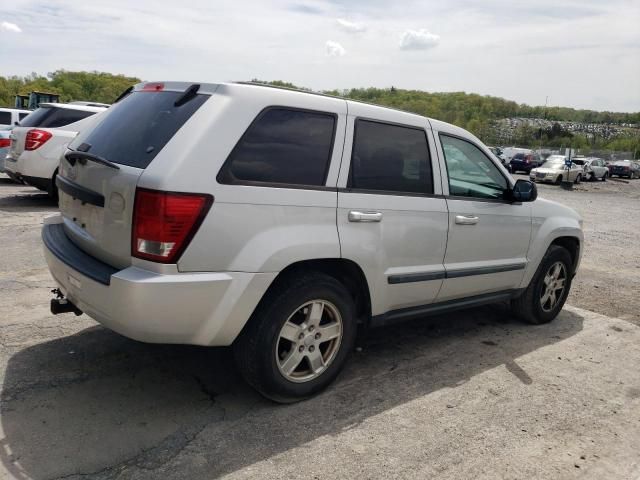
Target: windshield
{"type": "Point", "coordinates": [134, 130]}
{"type": "Point", "coordinates": [554, 164]}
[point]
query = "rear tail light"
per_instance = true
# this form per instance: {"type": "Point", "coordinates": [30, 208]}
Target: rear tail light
{"type": "Point", "coordinates": [36, 138]}
{"type": "Point", "coordinates": [5, 142]}
{"type": "Point", "coordinates": [165, 222]}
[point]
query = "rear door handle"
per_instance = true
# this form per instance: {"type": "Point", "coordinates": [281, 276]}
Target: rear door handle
{"type": "Point", "coordinates": [466, 220]}
{"type": "Point", "coordinates": [355, 216]}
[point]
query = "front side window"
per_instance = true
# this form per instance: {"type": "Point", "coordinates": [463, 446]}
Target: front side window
{"type": "Point", "coordinates": [390, 158]}
{"type": "Point", "coordinates": [471, 173]}
{"type": "Point", "coordinates": [283, 146]}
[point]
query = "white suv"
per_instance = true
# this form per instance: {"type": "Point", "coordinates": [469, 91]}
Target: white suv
{"type": "Point", "coordinates": [42, 137]}
{"type": "Point", "coordinates": [279, 222]}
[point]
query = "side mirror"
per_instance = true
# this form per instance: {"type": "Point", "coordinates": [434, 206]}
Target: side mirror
{"type": "Point", "coordinates": [524, 191]}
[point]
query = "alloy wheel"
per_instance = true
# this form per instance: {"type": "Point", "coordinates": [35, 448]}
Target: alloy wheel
{"type": "Point", "coordinates": [554, 284]}
{"type": "Point", "coordinates": [309, 341]}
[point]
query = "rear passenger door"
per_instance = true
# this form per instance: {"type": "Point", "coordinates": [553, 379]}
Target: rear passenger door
{"type": "Point", "coordinates": [392, 219]}
{"type": "Point", "coordinates": [489, 235]}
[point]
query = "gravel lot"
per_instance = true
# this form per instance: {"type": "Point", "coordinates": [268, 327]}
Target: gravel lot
{"type": "Point", "coordinates": [472, 394]}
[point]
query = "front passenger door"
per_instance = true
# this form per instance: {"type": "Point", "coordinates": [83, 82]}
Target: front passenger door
{"type": "Point", "coordinates": [488, 235]}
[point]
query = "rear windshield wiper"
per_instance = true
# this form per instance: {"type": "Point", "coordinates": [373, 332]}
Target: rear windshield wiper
{"type": "Point", "coordinates": [74, 155]}
{"type": "Point", "coordinates": [188, 94]}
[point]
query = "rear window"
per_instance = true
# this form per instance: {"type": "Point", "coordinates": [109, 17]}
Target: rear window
{"type": "Point", "coordinates": [283, 146]}
{"type": "Point", "coordinates": [134, 130]}
{"type": "Point", "coordinates": [54, 117]}
{"type": "Point", "coordinates": [5, 118]}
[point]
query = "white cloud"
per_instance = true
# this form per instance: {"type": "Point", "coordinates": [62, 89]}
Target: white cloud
{"type": "Point", "coordinates": [334, 49]}
{"type": "Point", "coordinates": [10, 27]}
{"type": "Point", "coordinates": [418, 40]}
{"type": "Point", "coordinates": [351, 27]}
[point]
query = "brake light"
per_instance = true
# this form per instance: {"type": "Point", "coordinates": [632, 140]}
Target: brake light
{"type": "Point", "coordinates": [153, 87]}
{"type": "Point", "coordinates": [36, 138]}
{"type": "Point", "coordinates": [5, 142]}
{"type": "Point", "coordinates": [165, 222]}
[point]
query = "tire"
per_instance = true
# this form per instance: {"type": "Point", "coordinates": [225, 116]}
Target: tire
{"type": "Point", "coordinates": [578, 179]}
{"type": "Point", "coordinates": [604, 177]}
{"type": "Point", "coordinates": [528, 306]}
{"type": "Point", "coordinates": [558, 180]}
{"type": "Point", "coordinates": [258, 350]}
{"type": "Point", "coordinates": [591, 177]}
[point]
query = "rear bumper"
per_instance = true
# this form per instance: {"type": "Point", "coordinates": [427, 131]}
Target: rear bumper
{"type": "Point", "coordinates": [32, 167]}
{"type": "Point", "coordinates": [189, 308]}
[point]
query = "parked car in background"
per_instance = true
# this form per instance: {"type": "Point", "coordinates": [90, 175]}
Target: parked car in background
{"type": "Point", "coordinates": [278, 221]}
{"type": "Point", "coordinates": [624, 168]}
{"type": "Point", "coordinates": [10, 117]}
{"type": "Point", "coordinates": [509, 152]}
{"type": "Point", "coordinates": [40, 139]}
{"type": "Point", "coordinates": [5, 133]}
{"type": "Point", "coordinates": [497, 152]}
{"type": "Point", "coordinates": [594, 168]}
{"type": "Point", "coordinates": [524, 162]}
{"type": "Point", "coordinates": [554, 170]}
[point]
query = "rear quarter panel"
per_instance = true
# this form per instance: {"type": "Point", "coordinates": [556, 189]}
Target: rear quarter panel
{"type": "Point", "coordinates": [249, 228]}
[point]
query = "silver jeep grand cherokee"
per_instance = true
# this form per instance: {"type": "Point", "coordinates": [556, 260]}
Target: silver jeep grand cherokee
{"type": "Point", "coordinates": [279, 221]}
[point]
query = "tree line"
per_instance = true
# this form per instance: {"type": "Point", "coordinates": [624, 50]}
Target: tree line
{"type": "Point", "coordinates": [476, 113]}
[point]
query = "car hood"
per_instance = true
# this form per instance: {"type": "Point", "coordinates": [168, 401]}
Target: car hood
{"type": "Point", "coordinates": [546, 170]}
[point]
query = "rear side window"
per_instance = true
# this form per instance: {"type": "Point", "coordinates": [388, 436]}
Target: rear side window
{"type": "Point", "coordinates": [283, 146]}
{"type": "Point", "coordinates": [390, 158]}
{"type": "Point", "coordinates": [134, 130]}
{"type": "Point", "coordinates": [54, 117]}
{"type": "Point", "coordinates": [5, 118]}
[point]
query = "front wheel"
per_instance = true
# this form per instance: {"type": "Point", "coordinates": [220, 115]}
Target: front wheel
{"type": "Point", "coordinates": [298, 339]}
{"type": "Point", "coordinates": [543, 299]}
{"type": "Point", "coordinates": [558, 180]}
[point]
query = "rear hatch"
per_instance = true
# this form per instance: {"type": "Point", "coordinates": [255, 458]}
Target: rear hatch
{"type": "Point", "coordinates": [47, 116]}
{"type": "Point", "coordinates": [100, 171]}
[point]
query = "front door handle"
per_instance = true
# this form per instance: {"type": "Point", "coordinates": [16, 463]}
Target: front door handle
{"type": "Point", "coordinates": [466, 220]}
{"type": "Point", "coordinates": [355, 216]}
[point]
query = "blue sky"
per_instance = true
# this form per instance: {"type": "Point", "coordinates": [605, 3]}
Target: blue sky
{"type": "Point", "coordinates": [583, 54]}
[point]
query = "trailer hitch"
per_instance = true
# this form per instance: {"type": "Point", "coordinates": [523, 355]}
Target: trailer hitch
{"type": "Point", "coordinates": [62, 305]}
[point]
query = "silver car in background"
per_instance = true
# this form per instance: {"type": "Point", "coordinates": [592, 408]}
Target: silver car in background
{"type": "Point", "coordinates": [554, 170]}
{"type": "Point", "coordinates": [594, 168]}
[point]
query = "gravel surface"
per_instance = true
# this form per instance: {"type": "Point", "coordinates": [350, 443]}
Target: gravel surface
{"type": "Point", "coordinates": [473, 394]}
{"type": "Point", "coordinates": [608, 281]}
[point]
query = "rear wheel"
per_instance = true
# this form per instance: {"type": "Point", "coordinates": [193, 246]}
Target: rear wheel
{"type": "Point", "coordinates": [543, 299]}
{"type": "Point", "coordinates": [298, 339]}
{"type": "Point", "coordinates": [604, 177]}
{"type": "Point", "coordinates": [578, 178]}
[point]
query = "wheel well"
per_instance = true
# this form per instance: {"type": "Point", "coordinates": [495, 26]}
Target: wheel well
{"type": "Point", "coordinates": [345, 271]}
{"type": "Point", "coordinates": [572, 245]}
